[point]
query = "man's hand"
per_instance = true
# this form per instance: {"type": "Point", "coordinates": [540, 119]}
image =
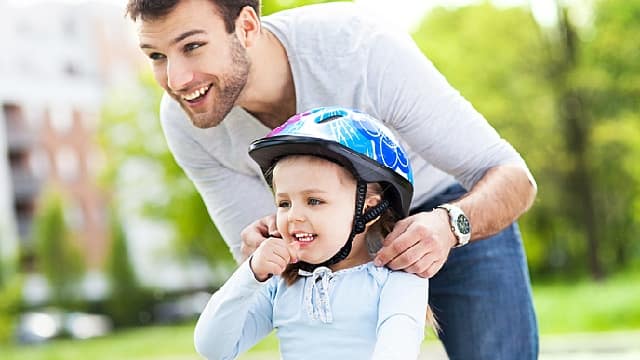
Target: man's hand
{"type": "Point", "coordinates": [272, 257]}
{"type": "Point", "coordinates": [418, 244]}
{"type": "Point", "coordinates": [257, 232]}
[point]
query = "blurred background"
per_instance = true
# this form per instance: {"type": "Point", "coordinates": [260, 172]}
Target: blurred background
{"type": "Point", "coordinates": [106, 249]}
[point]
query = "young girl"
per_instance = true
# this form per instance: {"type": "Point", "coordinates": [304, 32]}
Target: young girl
{"type": "Point", "coordinates": [340, 180]}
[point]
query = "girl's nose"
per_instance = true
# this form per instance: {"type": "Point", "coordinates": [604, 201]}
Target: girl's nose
{"type": "Point", "coordinates": [296, 215]}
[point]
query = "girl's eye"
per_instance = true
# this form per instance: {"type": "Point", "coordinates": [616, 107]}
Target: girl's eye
{"type": "Point", "coordinates": [313, 201]}
{"type": "Point", "coordinates": [156, 56]}
{"type": "Point", "coordinates": [283, 204]}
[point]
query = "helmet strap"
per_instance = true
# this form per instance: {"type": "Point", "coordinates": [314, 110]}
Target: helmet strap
{"type": "Point", "coordinates": [360, 221]}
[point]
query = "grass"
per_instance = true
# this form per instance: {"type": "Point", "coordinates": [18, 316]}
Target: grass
{"type": "Point", "coordinates": [581, 307]}
{"type": "Point", "coordinates": [588, 306]}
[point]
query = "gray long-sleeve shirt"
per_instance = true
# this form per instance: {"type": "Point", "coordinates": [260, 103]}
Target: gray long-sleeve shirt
{"type": "Point", "coordinates": [339, 57]}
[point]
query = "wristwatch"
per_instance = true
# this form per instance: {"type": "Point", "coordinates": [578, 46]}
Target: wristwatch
{"type": "Point", "coordinates": [460, 225]}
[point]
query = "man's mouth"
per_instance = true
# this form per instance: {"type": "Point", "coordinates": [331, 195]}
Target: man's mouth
{"type": "Point", "coordinates": [197, 94]}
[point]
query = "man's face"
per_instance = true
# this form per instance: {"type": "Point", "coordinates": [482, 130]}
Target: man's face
{"type": "Point", "coordinates": [196, 61]}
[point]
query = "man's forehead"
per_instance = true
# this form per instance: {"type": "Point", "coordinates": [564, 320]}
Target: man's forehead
{"type": "Point", "coordinates": [177, 26]}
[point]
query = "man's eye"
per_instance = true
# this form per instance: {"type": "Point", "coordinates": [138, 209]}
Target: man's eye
{"type": "Point", "coordinates": [192, 46]}
{"type": "Point", "coordinates": [156, 56]}
{"type": "Point", "coordinates": [313, 201]}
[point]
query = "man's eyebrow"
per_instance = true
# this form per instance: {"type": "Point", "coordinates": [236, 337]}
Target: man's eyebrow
{"type": "Point", "coordinates": [185, 35]}
{"type": "Point", "coordinates": [178, 38]}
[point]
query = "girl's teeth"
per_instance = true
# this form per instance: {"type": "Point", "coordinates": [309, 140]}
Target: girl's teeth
{"type": "Point", "coordinates": [304, 237]}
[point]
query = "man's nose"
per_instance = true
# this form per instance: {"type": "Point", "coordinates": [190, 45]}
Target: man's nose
{"type": "Point", "coordinates": [179, 75]}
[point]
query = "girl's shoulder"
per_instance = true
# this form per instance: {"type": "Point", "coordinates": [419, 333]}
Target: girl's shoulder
{"type": "Point", "coordinates": [379, 273]}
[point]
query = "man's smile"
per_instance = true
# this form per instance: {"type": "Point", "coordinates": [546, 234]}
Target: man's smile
{"type": "Point", "coordinates": [196, 95]}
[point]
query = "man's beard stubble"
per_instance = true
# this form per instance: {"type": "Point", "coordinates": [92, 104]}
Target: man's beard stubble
{"type": "Point", "coordinates": [225, 89]}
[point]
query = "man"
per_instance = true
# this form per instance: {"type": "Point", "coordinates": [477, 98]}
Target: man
{"type": "Point", "coordinates": [230, 77]}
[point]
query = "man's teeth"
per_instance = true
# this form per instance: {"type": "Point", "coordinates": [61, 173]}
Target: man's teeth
{"type": "Point", "coordinates": [196, 94]}
{"type": "Point", "coordinates": [304, 237]}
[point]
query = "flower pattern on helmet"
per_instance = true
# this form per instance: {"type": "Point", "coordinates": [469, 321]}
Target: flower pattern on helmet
{"type": "Point", "coordinates": [352, 129]}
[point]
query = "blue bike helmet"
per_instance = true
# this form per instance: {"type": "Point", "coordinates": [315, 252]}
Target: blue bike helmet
{"type": "Point", "coordinates": [355, 140]}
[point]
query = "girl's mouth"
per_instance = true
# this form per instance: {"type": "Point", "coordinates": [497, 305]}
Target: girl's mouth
{"type": "Point", "coordinates": [304, 238]}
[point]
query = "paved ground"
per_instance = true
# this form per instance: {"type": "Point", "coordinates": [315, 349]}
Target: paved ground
{"type": "Point", "coordinates": [601, 346]}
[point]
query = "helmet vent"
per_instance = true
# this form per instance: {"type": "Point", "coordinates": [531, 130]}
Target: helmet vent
{"type": "Point", "coordinates": [331, 115]}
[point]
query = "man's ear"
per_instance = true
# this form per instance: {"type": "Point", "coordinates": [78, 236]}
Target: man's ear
{"type": "Point", "coordinates": [248, 26]}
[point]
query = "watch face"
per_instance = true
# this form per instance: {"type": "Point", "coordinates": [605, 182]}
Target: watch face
{"type": "Point", "coordinates": [463, 224]}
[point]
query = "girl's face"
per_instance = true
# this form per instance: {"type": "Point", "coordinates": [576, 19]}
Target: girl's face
{"type": "Point", "coordinates": [316, 203]}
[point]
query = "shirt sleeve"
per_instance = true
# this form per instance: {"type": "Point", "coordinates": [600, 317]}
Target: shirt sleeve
{"type": "Point", "coordinates": [231, 210]}
{"type": "Point", "coordinates": [434, 119]}
{"type": "Point", "coordinates": [401, 316]}
{"type": "Point", "coordinates": [237, 316]}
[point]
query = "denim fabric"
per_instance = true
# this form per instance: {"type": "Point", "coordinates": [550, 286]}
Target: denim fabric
{"type": "Point", "coordinates": [482, 296]}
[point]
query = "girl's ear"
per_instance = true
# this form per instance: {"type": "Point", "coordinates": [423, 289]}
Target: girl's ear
{"type": "Point", "coordinates": [371, 200]}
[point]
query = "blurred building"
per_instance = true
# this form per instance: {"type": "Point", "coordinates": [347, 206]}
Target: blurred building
{"type": "Point", "coordinates": [58, 62]}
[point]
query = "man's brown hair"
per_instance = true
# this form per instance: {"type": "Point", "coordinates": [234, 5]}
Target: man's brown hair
{"type": "Point", "coordinates": [156, 9]}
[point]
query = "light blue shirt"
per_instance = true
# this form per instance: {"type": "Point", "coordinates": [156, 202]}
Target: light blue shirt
{"type": "Point", "coordinates": [364, 312]}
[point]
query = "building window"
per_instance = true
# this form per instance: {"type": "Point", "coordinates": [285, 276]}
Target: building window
{"type": "Point", "coordinates": [67, 164]}
{"type": "Point", "coordinates": [61, 118]}
{"type": "Point", "coordinates": [39, 163]}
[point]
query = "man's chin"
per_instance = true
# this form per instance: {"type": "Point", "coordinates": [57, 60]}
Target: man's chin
{"type": "Point", "coordinates": [204, 121]}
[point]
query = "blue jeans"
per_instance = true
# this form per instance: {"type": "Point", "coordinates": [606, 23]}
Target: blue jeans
{"type": "Point", "coordinates": [482, 296]}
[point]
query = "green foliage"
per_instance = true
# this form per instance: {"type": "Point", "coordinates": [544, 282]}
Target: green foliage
{"type": "Point", "coordinates": [271, 6]}
{"type": "Point", "coordinates": [10, 303]}
{"type": "Point", "coordinates": [609, 76]}
{"type": "Point", "coordinates": [128, 303]}
{"type": "Point", "coordinates": [522, 78]}
{"type": "Point", "coordinates": [130, 133]}
{"type": "Point", "coordinates": [58, 257]}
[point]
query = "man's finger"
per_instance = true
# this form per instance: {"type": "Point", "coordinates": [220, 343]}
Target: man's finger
{"type": "Point", "coordinates": [411, 256]}
{"type": "Point", "coordinates": [397, 247]}
{"type": "Point", "coordinates": [398, 229]}
{"type": "Point", "coordinates": [272, 226]}
{"type": "Point", "coordinates": [432, 269]}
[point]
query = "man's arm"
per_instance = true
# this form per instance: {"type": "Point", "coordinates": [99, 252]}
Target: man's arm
{"type": "Point", "coordinates": [442, 127]}
{"type": "Point", "coordinates": [498, 199]}
{"type": "Point", "coordinates": [421, 243]}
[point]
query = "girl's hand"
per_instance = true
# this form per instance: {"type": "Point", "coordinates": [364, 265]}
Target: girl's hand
{"type": "Point", "coordinates": [257, 232]}
{"type": "Point", "coordinates": [272, 257]}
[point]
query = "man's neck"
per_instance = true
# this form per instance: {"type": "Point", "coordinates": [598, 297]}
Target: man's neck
{"type": "Point", "coordinates": [270, 93]}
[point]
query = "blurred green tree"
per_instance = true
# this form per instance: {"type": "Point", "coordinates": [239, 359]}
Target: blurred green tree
{"type": "Point", "coordinates": [130, 135]}
{"type": "Point", "coordinates": [497, 58]}
{"type": "Point", "coordinates": [128, 303]}
{"type": "Point", "coordinates": [566, 97]}
{"type": "Point", "coordinates": [608, 77]}
{"type": "Point", "coordinates": [59, 258]}
{"type": "Point", "coordinates": [10, 306]}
